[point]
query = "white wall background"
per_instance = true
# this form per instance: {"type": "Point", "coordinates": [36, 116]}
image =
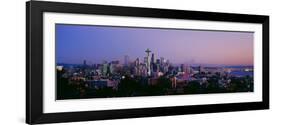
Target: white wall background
{"type": "Point", "coordinates": [12, 61]}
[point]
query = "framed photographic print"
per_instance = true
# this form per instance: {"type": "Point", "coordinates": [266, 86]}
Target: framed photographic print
{"type": "Point", "coordinates": [95, 62]}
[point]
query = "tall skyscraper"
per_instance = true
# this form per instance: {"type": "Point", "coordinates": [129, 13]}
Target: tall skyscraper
{"type": "Point", "coordinates": [137, 62]}
{"type": "Point", "coordinates": [182, 68]}
{"type": "Point", "coordinates": [158, 61]}
{"type": "Point", "coordinates": [152, 58]}
{"type": "Point", "coordinates": [126, 60]}
{"type": "Point", "coordinates": [111, 68]}
{"type": "Point", "coordinates": [162, 61]}
{"type": "Point", "coordinates": [137, 66]}
{"type": "Point", "coordinates": [84, 63]}
{"type": "Point", "coordinates": [105, 69]}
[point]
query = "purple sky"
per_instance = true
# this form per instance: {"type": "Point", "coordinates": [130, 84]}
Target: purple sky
{"type": "Point", "coordinates": [75, 43]}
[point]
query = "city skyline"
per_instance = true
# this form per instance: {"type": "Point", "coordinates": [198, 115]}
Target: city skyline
{"type": "Point", "coordinates": [134, 61]}
{"type": "Point", "coordinates": [75, 43]}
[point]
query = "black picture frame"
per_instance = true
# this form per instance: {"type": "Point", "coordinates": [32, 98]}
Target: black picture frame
{"type": "Point", "coordinates": [34, 61]}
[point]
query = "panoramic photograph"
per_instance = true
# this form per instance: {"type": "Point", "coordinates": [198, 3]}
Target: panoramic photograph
{"type": "Point", "coordinates": [95, 61]}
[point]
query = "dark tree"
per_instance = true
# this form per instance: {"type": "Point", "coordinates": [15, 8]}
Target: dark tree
{"type": "Point", "coordinates": [64, 89]}
{"type": "Point", "coordinates": [128, 87]}
{"type": "Point", "coordinates": [193, 87]}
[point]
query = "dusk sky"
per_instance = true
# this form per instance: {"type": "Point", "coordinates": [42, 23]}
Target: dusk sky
{"type": "Point", "coordinates": [75, 43]}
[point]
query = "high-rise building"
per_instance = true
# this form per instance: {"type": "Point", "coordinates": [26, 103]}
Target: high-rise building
{"type": "Point", "coordinates": [84, 63]}
{"type": "Point", "coordinates": [162, 61]}
{"type": "Point", "coordinates": [137, 67]}
{"type": "Point", "coordinates": [184, 68]}
{"type": "Point", "coordinates": [137, 62]}
{"type": "Point", "coordinates": [104, 69]}
{"type": "Point", "coordinates": [145, 60]}
{"type": "Point", "coordinates": [152, 58]}
{"type": "Point", "coordinates": [143, 70]}
{"type": "Point", "coordinates": [157, 61]}
{"type": "Point", "coordinates": [201, 69]}
{"type": "Point", "coordinates": [167, 61]}
{"type": "Point", "coordinates": [126, 60]}
{"type": "Point", "coordinates": [181, 68]}
{"type": "Point", "coordinates": [111, 68]}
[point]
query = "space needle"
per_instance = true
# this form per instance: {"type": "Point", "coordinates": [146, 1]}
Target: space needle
{"type": "Point", "coordinates": [148, 62]}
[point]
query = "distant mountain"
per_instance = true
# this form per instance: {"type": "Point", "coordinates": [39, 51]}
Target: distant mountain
{"type": "Point", "coordinates": [239, 66]}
